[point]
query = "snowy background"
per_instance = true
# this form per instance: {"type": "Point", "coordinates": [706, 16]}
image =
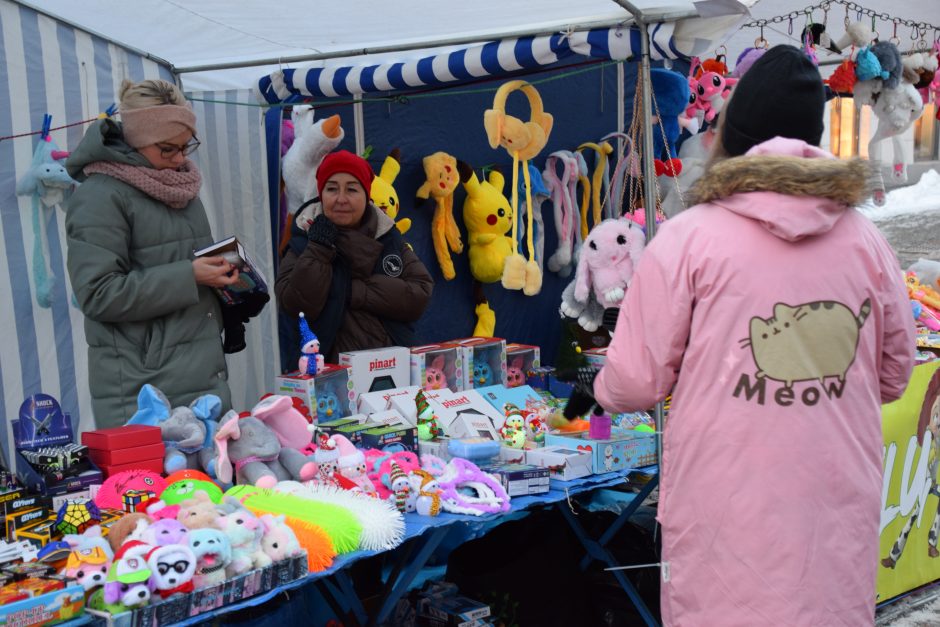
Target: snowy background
{"type": "Point", "coordinates": [910, 219]}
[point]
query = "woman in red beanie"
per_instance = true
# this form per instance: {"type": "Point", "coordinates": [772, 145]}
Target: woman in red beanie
{"type": "Point", "coordinates": [348, 269]}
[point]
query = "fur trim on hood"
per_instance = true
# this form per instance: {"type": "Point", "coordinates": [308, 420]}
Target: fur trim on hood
{"type": "Point", "coordinates": [846, 182]}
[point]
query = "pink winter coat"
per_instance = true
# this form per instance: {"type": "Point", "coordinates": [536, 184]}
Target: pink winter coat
{"type": "Point", "coordinates": [783, 323]}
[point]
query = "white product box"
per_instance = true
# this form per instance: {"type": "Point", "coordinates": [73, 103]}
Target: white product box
{"type": "Point", "coordinates": [389, 417]}
{"type": "Point", "coordinates": [405, 405]}
{"type": "Point", "coordinates": [371, 402]}
{"type": "Point", "coordinates": [437, 366]}
{"type": "Point", "coordinates": [472, 425]}
{"type": "Point", "coordinates": [563, 463]}
{"type": "Point", "coordinates": [484, 361]}
{"type": "Point", "coordinates": [378, 369]}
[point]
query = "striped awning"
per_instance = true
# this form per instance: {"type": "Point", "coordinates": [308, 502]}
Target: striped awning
{"type": "Point", "coordinates": [493, 58]}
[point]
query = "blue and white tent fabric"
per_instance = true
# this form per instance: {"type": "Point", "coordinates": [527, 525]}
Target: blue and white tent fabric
{"type": "Point", "coordinates": [455, 65]}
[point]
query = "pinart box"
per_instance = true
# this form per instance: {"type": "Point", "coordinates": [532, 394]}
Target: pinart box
{"type": "Point", "coordinates": [378, 369]}
{"type": "Point", "coordinates": [563, 463]}
{"type": "Point", "coordinates": [329, 394]}
{"type": "Point", "coordinates": [371, 402]}
{"type": "Point", "coordinates": [521, 359]}
{"type": "Point", "coordinates": [437, 366]}
{"type": "Point", "coordinates": [484, 360]}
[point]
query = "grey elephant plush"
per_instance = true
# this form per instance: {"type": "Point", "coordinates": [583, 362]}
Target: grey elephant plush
{"type": "Point", "coordinates": [187, 431]}
{"type": "Point", "coordinates": [264, 447]}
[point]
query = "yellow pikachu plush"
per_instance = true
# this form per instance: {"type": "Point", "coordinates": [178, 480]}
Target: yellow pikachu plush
{"type": "Point", "coordinates": [442, 179]}
{"type": "Point", "coordinates": [487, 216]}
{"type": "Point", "coordinates": [384, 195]}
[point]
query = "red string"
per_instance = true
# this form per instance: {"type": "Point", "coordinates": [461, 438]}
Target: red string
{"type": "Point", "coordinates": [55, 128]}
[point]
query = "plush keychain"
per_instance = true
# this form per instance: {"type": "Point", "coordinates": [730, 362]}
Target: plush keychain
{"type": "Point", "coordinates": [441, 172]}
{"type": "Point", "coordinates": [523, 141]}
{"type": "Point", "coordinates": [46, 183]}
{"type": "Point", "coordinates": [384, 196]}
{"type": "Point", "coordinates": [311, 361]}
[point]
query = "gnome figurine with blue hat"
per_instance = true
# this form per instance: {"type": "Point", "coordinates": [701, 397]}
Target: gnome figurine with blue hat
{"type": "Point", "coordinates": [310, 359]}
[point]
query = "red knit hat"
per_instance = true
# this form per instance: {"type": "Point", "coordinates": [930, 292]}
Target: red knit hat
{"type": "Point", "coordinates": [345, 161]}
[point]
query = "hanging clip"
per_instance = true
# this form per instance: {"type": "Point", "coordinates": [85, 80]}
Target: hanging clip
{"type": "Point", "coordinates": [107, 113]}
{"type": "Point", "coordinates": [46, 124]}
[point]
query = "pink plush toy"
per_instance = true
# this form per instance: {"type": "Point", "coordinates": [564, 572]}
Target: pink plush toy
{"type": "Point", "coordinates": [608, 259]}
{"type": "Point", "coordinates": [434, 378]}
{"type": "Point", "coordinates": [279, 541]}
{"type": "Point", "coordinates": [711, 92]}
{"type": "Point", "coordinates": [514, 374]}
{"type": "Point", "coordinates": [352, 463]}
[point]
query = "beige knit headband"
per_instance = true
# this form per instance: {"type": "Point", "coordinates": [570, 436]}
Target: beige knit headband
{"type": "Point", "coordinates": [150, 125]}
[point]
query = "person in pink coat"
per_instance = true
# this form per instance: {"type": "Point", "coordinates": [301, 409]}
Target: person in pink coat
{"type": "Point", "coordinates": [776, 314]}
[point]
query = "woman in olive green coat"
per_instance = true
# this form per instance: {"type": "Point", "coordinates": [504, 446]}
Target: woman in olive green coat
{"type": "Point", "coordinates": [151, 315]}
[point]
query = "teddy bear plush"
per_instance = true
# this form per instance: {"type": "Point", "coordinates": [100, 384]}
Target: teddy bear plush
{"type": "Point", "coordinates": [198, 511]}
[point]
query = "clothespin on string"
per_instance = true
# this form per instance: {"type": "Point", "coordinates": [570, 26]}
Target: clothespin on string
{"type": "Point", "coordinates": [110, 111]}
{"type": "Point", "coordinates": [46, 125]}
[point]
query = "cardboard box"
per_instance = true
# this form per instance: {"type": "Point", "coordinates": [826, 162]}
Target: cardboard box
{"type": "Point", "coordinates": [472, 425]}
{"type": "Point", "coordinates": [596, 356]}
{"type": "Point", "coordinates": [130, 436]}
{"type": "Point", "coordinates": [372, 402]}
{"type": "Point", "coordinates": [563, 463]}
{"type": "Point", "coordinates": [468, 402]}
{"type": "Point", "coordinates": [405, 405]}
{"type": "Point", "coordinates": [455, 611]}
{"type": "Point", "coordinates": [538, 378]}
{"type": "Point", "coordinates": [60, 499]}
{"type": "Point", "coordinates": [24, 518]}
{"type": "Point", "coordinates": [389, 417]}
{"type": "Point", "coordinates": [154, 465]}
{"type": "Point", "coordinates": [57, 606]}
{"type": "Point", "coordinates": [378, 369]}
{"type": "Point", "coordinates": [519, 479]}
{"type": "Point", "coordinates": [624, 448]}
{"type": "Point", "coordinates": [329, 394]}
{"type": "Point", "coordinates": [484, 360]}
{"type": "Point", "coordinates": [438, 447]}
{"type": "Point", "coordinates": [39, 533]}
{"type": "Point", "coordinates": [511, 455]}
{"type": "Point", "coordinates": [392, 439]}
{"type": "Point", "coordinates": [330, 426]}
{"type": "Point", "coordinates": [523, 397]}
{"type": "Point", "coordinates": [42, 427]}
{"type": "Point", "coordinates": [521, 359]}
{"type": "Point", "coordinates": [115, 457]}
{"type": "Point", "coordinates": [353, 432]}
{"type": "Point", "coordinates": [437, 366]}
{"type": "Point", "coordinates": [22, 502]}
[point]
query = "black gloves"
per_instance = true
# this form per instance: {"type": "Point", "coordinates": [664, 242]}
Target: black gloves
{"type": "Point", "coordinates": [582, 396]}
{"type": "Point", "coordinates": [234, 318]}
{"type": "Point", "coordinates": [322, 231]}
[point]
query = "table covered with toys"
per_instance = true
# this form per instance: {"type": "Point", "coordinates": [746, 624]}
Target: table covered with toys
{"type": "Point", "coordinates": [187, 512]}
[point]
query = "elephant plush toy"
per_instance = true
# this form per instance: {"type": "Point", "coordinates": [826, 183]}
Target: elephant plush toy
{"type": "Point", "coordinates": [187, 431]}
{"type": "Point", "coordinates": [265, 446]}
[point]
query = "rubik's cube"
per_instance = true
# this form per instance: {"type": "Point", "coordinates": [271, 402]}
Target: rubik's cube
{"type": "Point", "coordinates": [136, 500]}
{"type": "Point", "coordinates": [77, 515]}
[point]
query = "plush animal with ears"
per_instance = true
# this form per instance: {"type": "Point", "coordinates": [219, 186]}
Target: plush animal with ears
{"type": "Point", "coordinates": [384, 195]}
{"type": "Point", "coordinates": [434, 377]}
{"type": "Point", "coordinates": [608, 259]}
{"type": "Point", "coordinates": [312, 142]}
{"type": "Point", "coordinates": [514, 374]}
{"type": "Point", "coordinates": [279, 541]}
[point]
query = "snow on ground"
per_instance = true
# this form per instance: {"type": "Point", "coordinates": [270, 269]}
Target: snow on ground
{"type": "Point", "coordinates": [923, 196]}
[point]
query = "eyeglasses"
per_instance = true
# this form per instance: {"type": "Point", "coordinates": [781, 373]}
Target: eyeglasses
{"type": "Point", "coordinates": [168, 151]}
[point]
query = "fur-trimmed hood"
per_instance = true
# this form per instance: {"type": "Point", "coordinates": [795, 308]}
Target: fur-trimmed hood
{"type": "Point", "coordinates": [793, 189]}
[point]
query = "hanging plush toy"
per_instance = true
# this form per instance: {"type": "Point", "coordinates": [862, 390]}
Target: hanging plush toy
{"type": "Point", "coordinates": [522, 140]}
{"type": "Point", "coordinates": [890, 59]}
{"type": "Point", "coordinates": [563, 189]}
{"type": "Point", "coordinates": [45, 182]}
{"type": "Point", "coordinates": [441, 172]}
{"type": "Point", "coordinates": [607, 262]}
{"type": "Point", "coordinates": [539, 194]}
{"type": "Point", "coordinates": [487, 216]}
{"type": "Point", "coordinates": [384, 195]}
{"type": "Point", "coordinates": [896, 109]}
{"type": "Point", "coordinates": [311, 360]}
{"type": "Point", "coordinates": [312, 142]}
{"type": "Point", "coordinates": [671, 97]}
{"type": "Point", "coordinates": [600, 179]}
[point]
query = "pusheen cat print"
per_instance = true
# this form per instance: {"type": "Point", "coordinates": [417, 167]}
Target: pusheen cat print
{"type": "Point", "coordinates": [806, 342]}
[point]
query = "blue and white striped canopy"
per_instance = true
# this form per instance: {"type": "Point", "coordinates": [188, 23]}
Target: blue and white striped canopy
{"type": "Point", "coordinates": [493, 58]}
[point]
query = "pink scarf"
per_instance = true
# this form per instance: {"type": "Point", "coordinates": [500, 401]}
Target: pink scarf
{"type": "Point", "coordinates": [174, 188]}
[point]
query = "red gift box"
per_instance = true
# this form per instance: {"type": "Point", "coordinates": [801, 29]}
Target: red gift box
{"type": "Point", "coordinates": [129, 436]}
{"type": "Point", "coordinates": [154, 465]}
{"type": "Point", "coordinates": [125, 455]}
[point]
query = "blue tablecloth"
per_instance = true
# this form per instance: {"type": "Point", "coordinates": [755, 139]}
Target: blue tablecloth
{"type": "Point", "coordinates": [416, 526]}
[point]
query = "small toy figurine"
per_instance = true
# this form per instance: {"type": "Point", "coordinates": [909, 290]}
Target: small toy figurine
{"type": "Point", "coordinates": [513, 431]}
{"type": "Point", "coordinates": [310, 360]}
{"type": "Point", "coordinates": [428, 429]}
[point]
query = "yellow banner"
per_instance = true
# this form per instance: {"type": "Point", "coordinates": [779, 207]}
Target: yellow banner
{"type": "Point", "coordinates": [909, 555]}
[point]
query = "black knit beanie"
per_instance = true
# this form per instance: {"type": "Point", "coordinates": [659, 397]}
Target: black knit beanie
{"type": "Point", "coordinates": [781, 95]}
